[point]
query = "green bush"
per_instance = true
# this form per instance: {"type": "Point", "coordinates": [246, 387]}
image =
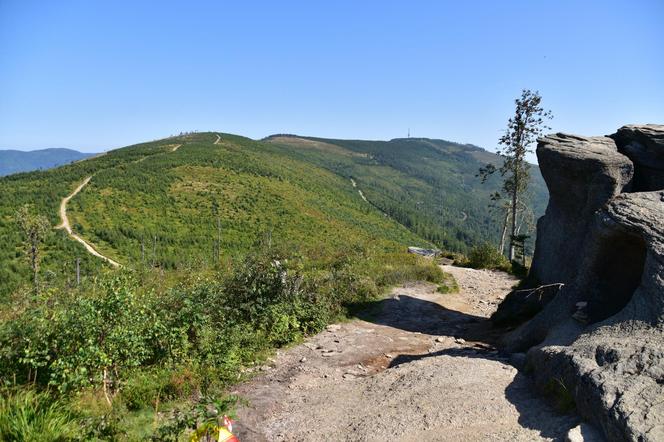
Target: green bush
{"type": "Point", "coordinates": [486, 256]}
{"type": "Point", "coordinates": [448, 284]}
{"type": "Point", "coordinates": [146, 388]}
{"type": "Point", "coordinates": [126, 347]}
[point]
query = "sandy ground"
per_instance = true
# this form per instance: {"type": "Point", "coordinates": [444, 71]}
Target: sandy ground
{"type": "Point", "coordinates": [418, 366]}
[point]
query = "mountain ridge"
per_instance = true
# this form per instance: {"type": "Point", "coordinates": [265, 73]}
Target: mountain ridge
{"type": "Point", "coordinates": [16, 161]}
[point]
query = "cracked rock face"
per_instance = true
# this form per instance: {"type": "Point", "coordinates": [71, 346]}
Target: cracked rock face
{"type": "Point", "coordinates": [601, 337]}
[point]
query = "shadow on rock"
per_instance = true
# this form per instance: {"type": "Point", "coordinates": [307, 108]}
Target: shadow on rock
{"type": "Point", "coordinates": [473, 337]}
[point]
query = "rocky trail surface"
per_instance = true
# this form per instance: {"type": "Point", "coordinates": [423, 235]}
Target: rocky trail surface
{"type": "Point", "coordinates": [415, 366]}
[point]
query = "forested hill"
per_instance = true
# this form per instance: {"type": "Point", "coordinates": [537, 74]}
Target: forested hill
{"type": "Point", "coordinates": [428, 185]}
{"type": "Point", "coordinates": [14, 161]}
{"type": "Point", "coordinates": [189, 203]}
{"type": "Point", "coordinates": [196, 201]}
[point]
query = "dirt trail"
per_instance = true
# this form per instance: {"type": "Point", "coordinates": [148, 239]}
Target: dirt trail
{"type": "Point", "coordinates": [358, 190]}
{"type": "Point", "coordinates": [64, 221]}
{"type": "Point", "coordinates": [218, 140]}
{"type": "Point", "coordinates": [65, 225]}
{"type": "Point", "coordinates": [418, 366]}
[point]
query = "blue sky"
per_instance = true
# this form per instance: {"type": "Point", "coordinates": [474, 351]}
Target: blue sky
{"type": "Point", "coordinates": [94, 75]}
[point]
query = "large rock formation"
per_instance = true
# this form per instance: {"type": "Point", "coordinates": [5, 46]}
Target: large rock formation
{"type": "Point", "coordinates": [644, 145]}
{"type": "Point", "coordinates": [601, 337]}
{"type": "Point", "coordinates": [582, 175]}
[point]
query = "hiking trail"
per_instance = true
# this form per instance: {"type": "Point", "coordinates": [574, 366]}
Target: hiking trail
{"type": "Point", "coordinates": [417, 366]}
{"type": "Point", "coordinates": [65, 225]}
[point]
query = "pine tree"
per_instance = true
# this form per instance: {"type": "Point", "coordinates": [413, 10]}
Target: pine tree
{"type": "Point", "coordinates": [523, 129]}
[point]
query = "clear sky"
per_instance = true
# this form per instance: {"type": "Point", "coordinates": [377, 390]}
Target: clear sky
{"type": "Point", "coordinates": [94, 75]}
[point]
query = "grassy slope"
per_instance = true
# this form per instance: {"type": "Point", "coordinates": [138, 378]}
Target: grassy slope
{"type": "Point", "coordinates": [147, 191]}
{"type": "Point", "coordinates": [43, 191]}
{"type": "Point", "coordinates": [427, 185]}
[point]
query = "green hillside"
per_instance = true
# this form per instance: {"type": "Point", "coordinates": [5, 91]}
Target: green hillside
{"type": "Point", "coordinates": [426, 185]}
{"type": "Point", "coordinates": [165, 204]}
{"type": "Point", "coordinates": [151, 205]}
{"type": "Point", "coordinates": [230, 248]}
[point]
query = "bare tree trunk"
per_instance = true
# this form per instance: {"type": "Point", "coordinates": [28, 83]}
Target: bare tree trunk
{"type": "Point", "coordinates": [515, 193]}
{"type": "Point", "coordinates": [502, 236]}
{"type": "Point", "coordinates": [514, 220]}
{"type": "Point", "coordinates": [33, 264]}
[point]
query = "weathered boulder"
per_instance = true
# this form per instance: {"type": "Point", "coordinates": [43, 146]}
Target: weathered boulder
{"type": "Point", "coordinates": [600, 339]}
{"type": "Point", "coordinates": [644, 145]}
{"type": "Point", "coordinates": [613, 365]}
{"type": "Point", "coordinates": [582, 175]}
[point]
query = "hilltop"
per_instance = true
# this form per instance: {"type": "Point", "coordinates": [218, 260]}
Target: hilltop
{"type": "Point", "coordinates": [15, 161]}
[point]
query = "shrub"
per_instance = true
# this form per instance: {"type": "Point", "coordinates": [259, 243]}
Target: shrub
{"type": "Point", "coordinates": [448, 284]}
{"type": "Point", "coordinates": [144, 388]}
{"type": "Point", "coordinates": [78, 340]}
{"type": "Point", "coordinates": [485, 256]}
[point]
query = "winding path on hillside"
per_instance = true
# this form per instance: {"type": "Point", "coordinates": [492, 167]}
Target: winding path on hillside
{"type": "Point", "coordinates": [218, 140]}
{"type": "Point", "coordinates": [67, 226]}
{"type": "Point", "coordinates": [417, 366]}
{"type": "Point", "coordinates": [64, 220]}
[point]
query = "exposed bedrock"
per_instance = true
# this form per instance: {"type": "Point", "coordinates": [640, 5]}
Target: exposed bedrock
{"type": "Point", "coordinates": [600, 339]}
{"type": "Point", "coordinates": [609, 354]}
{"type": "Point", "coordinates": [582, 175]}
{"type": "Point", "coordinates": [644, 145]}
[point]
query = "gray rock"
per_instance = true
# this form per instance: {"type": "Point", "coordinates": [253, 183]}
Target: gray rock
{"type": "Point", "coordinates": [582, 175]}
{"type": "Point", "coordinates": [601, 338]}
{"type": "Point", "coordinates": [429, 253]}
{"type": "Point", "coordinates": [584, 433]}
{"type": "Point", "coordinates": [644, 145]}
